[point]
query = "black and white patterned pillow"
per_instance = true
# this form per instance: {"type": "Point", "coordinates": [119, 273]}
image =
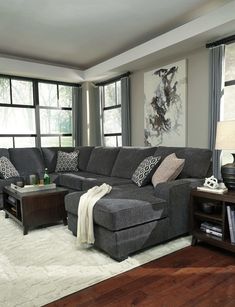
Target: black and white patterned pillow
{"type": "Point", "coordinates": [145, 170]}
{"type": "Point", "coordinates": [67, 161]}
{"type": "Point", "coordinates": [7, 169]}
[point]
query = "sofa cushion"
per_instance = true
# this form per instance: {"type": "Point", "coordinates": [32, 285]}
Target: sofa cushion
{"type": "Point", "coordinates": [7, 169]}
{"type": "Point", "coordinates": [102, 160]}
{"type": "Point", "coordinates": [50, 156]}
{"type": "Point", "coordinates": [143, 174]}
{"type": "Point", "coordinates": [70, 180]}
{"type": "Point", "coordinates": [90, 182]}
{"type": "Point", "coordinates": [84, 156]}
{"type": "Point", "coordinates": [27, 161]}
{"type": "Point", "coordinates": [128, 160]}
{"type": "Point", "coordinates": [197, 160]}
{"type": "Point", "coordinates": [84, 180]}
{"type": "Point", "coordinates": [168, 170]}
{"type": "Point", "coordinates": [75, 180]}
{"type": "Point", "coordinates": [67, 161]}
{"type": "Point", "coordinates": [119, 210]}
{"type": "Point", "coordinates": [4, 152]}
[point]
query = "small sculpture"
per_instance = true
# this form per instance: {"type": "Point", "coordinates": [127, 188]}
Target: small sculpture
{"type": "Point", "coordinates": [211, 182]}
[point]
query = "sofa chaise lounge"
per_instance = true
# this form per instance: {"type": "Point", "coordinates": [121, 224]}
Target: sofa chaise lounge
{"type": "Point", "coordinates": [130, 218]}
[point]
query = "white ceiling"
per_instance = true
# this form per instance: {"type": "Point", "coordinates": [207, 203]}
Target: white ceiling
{"type": "Point", "coordinates": [84, 33]}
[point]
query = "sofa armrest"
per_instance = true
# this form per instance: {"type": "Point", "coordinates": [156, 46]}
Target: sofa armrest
{"type": "Point", "coordinates": [164, 190]}
{"type": "Point", "coordinates": [177, 195]}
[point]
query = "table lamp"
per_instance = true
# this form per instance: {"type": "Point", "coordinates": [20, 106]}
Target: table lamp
{"type": "Point", "coordinates": [225, 140]}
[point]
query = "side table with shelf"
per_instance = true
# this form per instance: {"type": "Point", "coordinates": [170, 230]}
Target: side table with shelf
{"type": "Point", "coordinates": [35, 209]}
{"type": "Point", "coordinates": [218, 217]}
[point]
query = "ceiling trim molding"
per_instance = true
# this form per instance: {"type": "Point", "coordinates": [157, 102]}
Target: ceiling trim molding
{"type": "Point", "coordinates": [10, 66]}
{"type": "Point", "coordinates": [109, 68]}
{"type": "Point", "coordinates": [216, 18]}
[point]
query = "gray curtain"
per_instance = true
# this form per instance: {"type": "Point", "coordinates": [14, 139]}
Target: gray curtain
{"type": "Point", "coordinates": [77, 115]}
{"type": "Point", "coordinates": [126, 116]}
{"type": "Point", "coordinates": [216, 73]}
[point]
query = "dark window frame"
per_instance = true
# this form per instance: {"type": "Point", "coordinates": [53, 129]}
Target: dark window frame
{"type": "Point", "coordinates": [40, 107]}
{"type": "Point", "coordinates": [115, 106]}
{"type": "Point", "coordinates": [35, 84]}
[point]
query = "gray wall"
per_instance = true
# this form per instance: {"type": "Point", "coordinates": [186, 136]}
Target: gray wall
{"type": "Point", "coordinates": [197, 99]}
{"type": "Point", "coordinates": [90, 121]}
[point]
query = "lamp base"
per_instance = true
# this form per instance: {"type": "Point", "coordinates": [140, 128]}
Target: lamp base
{"type": "Point", "coordinates": [228, 175]}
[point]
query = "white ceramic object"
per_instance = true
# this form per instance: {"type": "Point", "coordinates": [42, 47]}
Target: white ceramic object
{"type": "Point", "coordinates": [211, 182]}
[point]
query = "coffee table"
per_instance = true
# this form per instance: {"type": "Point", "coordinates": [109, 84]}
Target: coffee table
{"type": "Point", "coordinates": [33, 209]}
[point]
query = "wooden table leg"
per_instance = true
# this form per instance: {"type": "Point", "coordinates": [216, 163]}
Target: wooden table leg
{"type": "Point", "coordinates": [25, 230]}
{"type": "Point", "coordinates": [194, 241]}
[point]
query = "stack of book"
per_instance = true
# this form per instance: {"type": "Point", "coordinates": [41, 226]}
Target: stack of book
{"type": "Point", "coordinates": [231, 222]}
{"type": "Point", "coordinates": [212, 229]}
{"type": "Point", "coordinates": [12, 199]}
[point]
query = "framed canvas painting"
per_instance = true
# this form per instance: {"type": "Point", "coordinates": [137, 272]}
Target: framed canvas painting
{"type": "Point", "coordinates": [165, 105]}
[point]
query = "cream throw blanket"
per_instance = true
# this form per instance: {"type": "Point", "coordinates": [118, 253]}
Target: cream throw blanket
{"type": "Point", "coordinates": [85, 227]}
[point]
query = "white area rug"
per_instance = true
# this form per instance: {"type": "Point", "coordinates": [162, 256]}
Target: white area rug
{"type": "Point", "coordinates": [45, 265]}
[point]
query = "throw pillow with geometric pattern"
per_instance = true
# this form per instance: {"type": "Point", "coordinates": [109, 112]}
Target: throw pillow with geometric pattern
{"type": "Point", "coordinates": [145, 170]}
{"type": "Point", "coordinates": [7, 169]}
{"type": "Point", "coordinates": [67, 161]}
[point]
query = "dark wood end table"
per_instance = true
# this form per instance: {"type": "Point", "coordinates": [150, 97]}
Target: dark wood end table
{"type": "Point", "coordinates": [218, 217]}
{"type": "Point", "coordinates": [35, 209]}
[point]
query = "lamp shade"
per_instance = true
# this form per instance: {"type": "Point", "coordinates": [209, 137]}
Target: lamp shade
{"type": "Point", "coordinates": [225, 135]}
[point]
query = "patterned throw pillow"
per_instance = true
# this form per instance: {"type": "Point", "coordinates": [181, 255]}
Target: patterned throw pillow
{"type": "Point", "coordinates": [7, 169]}
{"type": "Point", "coordinates": [67, 161]}
{"type": "Point", "coordinates": [145, 170]}
{"type": "Point", "coordinates": [169, 169]}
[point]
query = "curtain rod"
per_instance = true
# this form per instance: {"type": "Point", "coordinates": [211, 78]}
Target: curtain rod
{"type": "Point", "coordinates": [226, 40]}
{"type": "Point", "coordinates": [127, 74]}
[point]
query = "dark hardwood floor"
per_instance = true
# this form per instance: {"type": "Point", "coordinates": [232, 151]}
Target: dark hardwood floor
{"type": "Point", "coordinates": [194, 276]}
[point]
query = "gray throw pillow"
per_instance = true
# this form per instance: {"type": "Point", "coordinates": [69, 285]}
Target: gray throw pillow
{"type": "Point", "coordinates": [145, 170]}
{"type": "Point", "coordinates": [7, 169]}
{"type": "Point", "coordinates": [169, 169]}
{"type": "Point", "coordinates": [67, 161]}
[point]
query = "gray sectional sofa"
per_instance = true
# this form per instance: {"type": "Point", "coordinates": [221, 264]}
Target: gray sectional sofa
{"type": "Point", "coordinates": [130, 218]}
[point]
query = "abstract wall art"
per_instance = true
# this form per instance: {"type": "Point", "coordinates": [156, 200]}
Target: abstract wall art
{"type": "Point", "coordinates": [165, 105]}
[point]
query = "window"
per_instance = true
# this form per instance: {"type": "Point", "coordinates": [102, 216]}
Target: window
{"type": "Point", "coordinates": [22, 92]}
{"type": "Point", "coordinates": [5, 91]}
{"type": "Point", "coordinates": [35, 112]}
{"type": "Point", "coordinates": [227, 111]}
{"type": "Point", "coordinates": [17, 113]}
{"type": "Point", "coordinates": [55, 105]}
{"type": "Point", "coordinates": [111, 107]}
